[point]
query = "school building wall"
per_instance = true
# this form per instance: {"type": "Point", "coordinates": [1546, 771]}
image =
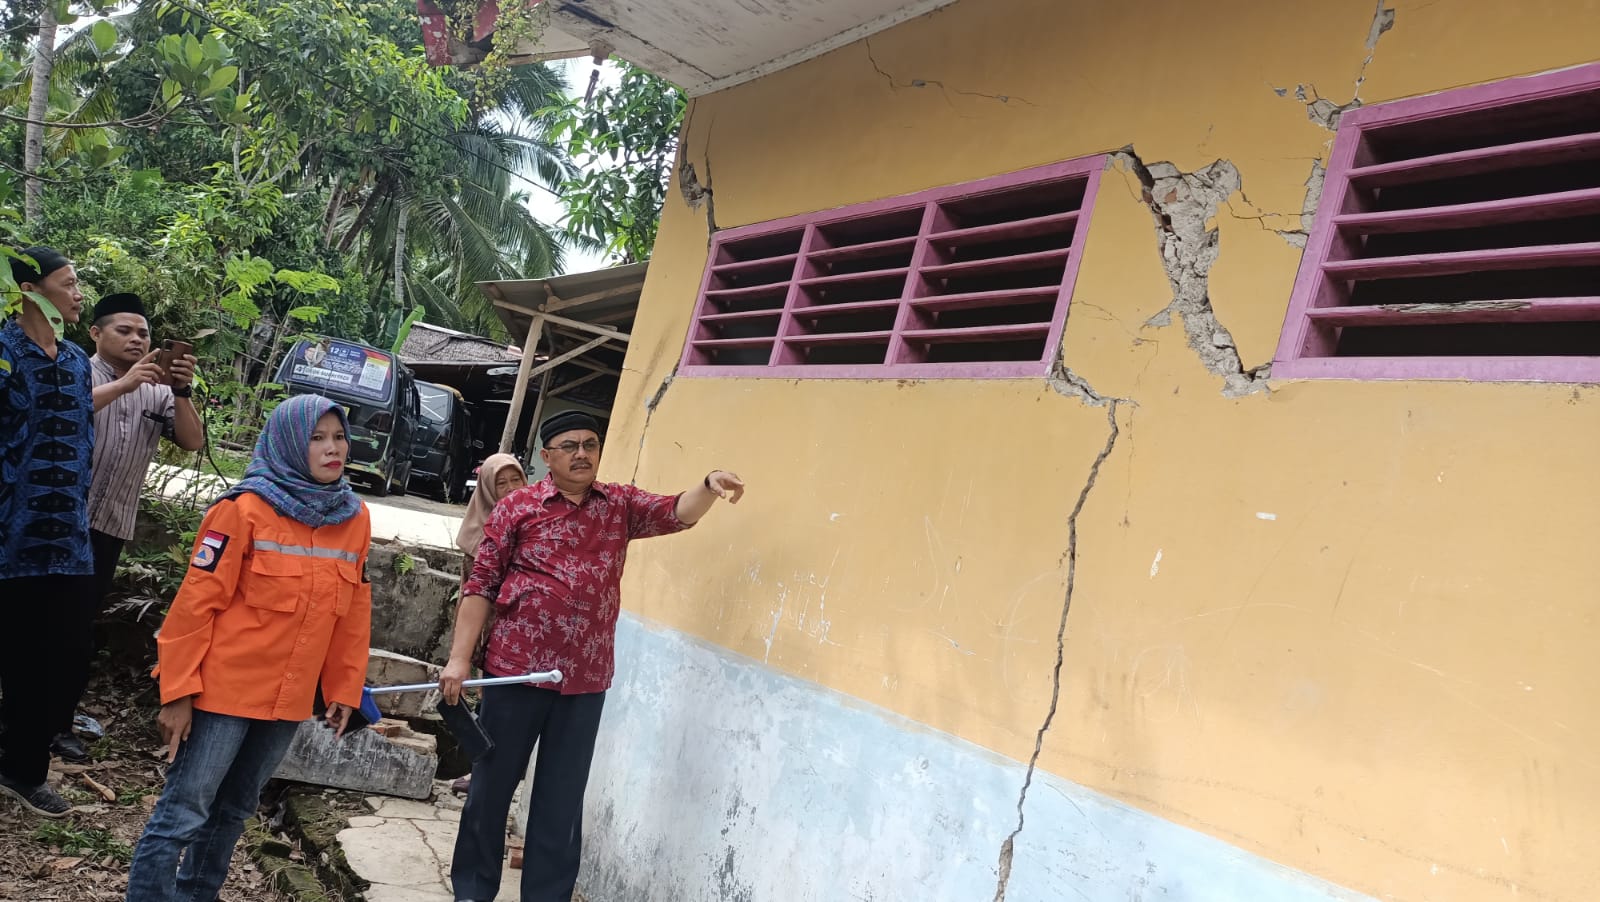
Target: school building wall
{"type": "Point", "coordinates": [1326, 639]}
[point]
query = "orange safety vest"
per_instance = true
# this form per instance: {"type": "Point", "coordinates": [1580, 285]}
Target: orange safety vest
{"type": "Point", "coordinates": [270, 607]}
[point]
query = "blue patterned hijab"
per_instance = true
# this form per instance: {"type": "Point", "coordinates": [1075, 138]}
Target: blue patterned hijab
{"type": "Point", "coordinates": [280, 472]}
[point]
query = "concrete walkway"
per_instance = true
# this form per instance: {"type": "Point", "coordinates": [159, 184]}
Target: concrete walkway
{"type": "Point", "coordinates": [403, 848]}
{"type": "Point", "coordinates": [411, 520]}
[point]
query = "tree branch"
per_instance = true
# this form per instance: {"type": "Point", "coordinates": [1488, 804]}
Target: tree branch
{"type": "Point", "coordinates": [143, 120]}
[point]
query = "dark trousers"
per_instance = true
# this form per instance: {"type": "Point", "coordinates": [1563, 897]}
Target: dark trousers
{"type": "Point", "coordinates": [44, 666]}
{"type": "Point", "coordinates": [107, 552]}
{"type": "Point", "coordinates": [564, 727]}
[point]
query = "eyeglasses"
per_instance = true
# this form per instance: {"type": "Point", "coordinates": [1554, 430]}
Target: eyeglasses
{"type": "Point", "coordinates": [590, 447]}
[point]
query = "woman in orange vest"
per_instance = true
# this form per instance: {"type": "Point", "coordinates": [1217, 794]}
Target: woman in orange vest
{"type": "Point", "coordinates": [274, 604]}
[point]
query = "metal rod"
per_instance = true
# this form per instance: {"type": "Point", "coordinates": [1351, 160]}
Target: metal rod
{"type": "Point", "coordinates": [552, 676]}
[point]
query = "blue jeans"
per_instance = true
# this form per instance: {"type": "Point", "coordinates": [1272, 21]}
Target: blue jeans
{"type": "Point", "coordinates": [212, 788]}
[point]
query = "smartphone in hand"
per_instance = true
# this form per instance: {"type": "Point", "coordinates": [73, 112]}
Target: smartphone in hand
{"type": "Point", "coordinates": [171, 350]}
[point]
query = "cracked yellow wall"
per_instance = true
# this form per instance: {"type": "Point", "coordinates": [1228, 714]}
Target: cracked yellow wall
{"type": "Point", "coordinates": [1348, 626]}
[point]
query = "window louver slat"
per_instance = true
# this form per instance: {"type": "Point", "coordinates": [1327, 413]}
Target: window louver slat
{"type": "Point", "coordinates": [1458, 237]}
{"type": "Point", "coordinates": [971, 280]}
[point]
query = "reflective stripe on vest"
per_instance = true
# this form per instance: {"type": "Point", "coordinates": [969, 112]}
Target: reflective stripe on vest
{"type": "Point", "coordinates": [303, 551]}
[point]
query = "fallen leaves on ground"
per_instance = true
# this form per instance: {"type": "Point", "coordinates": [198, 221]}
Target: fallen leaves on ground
{"type": "Point", "coordinates": [84, 857]}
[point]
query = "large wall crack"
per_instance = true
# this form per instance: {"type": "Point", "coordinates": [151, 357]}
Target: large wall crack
{"type": "Point", "coordinates": [1184, 206]}
{"type": "Point", "coordinates": [697, 193]}
{"type": "Point", "coordinates": [649, 412]}
{"type": "Point", "coordinates": [1078, 388]}
{"type": "Point", "coordinates": [1068, 383]}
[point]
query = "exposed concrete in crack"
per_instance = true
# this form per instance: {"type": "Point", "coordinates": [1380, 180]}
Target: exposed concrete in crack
{"type": "Point", "coordinates": [1382, 21]}
{"type": "Point", "coordinates": [896, 84]}
{"type": "Point", "coordinates": [697, 193]}
{"type": "Point", "coordinates": [1076, 383]}
{"type": "Point", "coordinates": [1184, 206]}
{"type": "Point", "coordinates": [1308, 207]}
{"type": "Point", "coordinates": [1325, 112]}
{"type": "Point", "coordinates": [1068, 383]}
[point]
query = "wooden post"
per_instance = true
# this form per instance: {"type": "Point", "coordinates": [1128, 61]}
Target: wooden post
{"type": "Point", "coordinates": [519, 395]}
{"type": "Point", "coordinates": [538, 403]}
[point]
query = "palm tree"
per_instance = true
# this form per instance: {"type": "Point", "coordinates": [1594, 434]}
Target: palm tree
{"type": "Point", "coordinates": [434, 242]}
{"type": "Point", "coordinates": [38, 105]}
{"type": "Point", "coordinates": [67, 83]}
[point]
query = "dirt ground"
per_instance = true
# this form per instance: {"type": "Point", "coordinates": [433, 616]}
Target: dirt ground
{"type": "Point", "coordinates": [84, 858]}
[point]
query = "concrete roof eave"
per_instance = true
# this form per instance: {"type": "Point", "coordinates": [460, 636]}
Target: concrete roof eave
{"type": "Point", "coordinates": [702, 46]}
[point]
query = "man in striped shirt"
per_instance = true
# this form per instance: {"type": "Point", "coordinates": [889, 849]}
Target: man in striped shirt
{"type": "Point", "coordinates": [135, 408]}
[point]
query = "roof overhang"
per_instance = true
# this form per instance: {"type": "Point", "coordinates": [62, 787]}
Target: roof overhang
{"type": "Point", "coordinates": [699, 45]}
{"type": "Point", "coordinates": [577, 325]}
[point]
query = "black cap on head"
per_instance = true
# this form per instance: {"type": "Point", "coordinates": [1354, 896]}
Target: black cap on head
{"type": "Point", "coordinates": [48, 260]}
{"type": "Point", "coordinates": [566, 421]}
{"type": "Point", "coordinates": [121, 302]}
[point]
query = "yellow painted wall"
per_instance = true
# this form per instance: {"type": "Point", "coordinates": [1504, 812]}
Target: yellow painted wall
{"type": "Point", "coordinates": [1348, 626]}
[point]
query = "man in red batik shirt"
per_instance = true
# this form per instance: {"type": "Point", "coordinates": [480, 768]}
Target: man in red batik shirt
{"type": "Point", "coordinates": [551, 565]}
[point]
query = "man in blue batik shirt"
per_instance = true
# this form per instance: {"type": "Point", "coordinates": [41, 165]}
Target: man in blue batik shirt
{"type": "Point", "coordinates": [46, 561]}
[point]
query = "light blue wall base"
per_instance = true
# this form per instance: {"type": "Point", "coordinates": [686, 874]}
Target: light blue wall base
{"type": "Point", "coordinates": [717, 778]}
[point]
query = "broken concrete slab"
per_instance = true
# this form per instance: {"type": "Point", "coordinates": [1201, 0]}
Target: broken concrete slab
{"type": "Point", "coordinates": [413, 603]}
{"type": "Point", "coordinates": [403, 808]}
{"type": "Point", "coordinates": [404, 850]}
{"type": "Point", "coordinates": [363, 761]}
{"type": "Point", "coordinates": [387, 668]}
{"type": "Point", "coordinates": [394, 853]}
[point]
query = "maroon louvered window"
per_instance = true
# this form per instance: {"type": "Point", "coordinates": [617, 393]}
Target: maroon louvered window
{"type": "Point", "coordinates": [965, 281]}
{"type": "Point", "coordinates": [1458, 238]}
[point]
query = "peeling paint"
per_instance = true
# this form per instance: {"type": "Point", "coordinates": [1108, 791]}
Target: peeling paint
{"type": "Point", "coordinates": [777, 617]}
{"type": "Point", "coordinates": [719, 779]}
{"type": "Point", "coordinates": [1184, 207]}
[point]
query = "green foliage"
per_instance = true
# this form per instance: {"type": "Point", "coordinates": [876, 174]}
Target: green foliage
{"type": "Point", "coordinates": [625, 140]}
{"type": "Point", "coordinates": [411, 319]}
{"type": "Point", "coordinates": [256, 170]}
{"type": "Point", "coordinates": [149, 575]}
{"type": "Point", "coordinates": [85, 842]}
{"type": "Point", "coordinates": [404, 564]}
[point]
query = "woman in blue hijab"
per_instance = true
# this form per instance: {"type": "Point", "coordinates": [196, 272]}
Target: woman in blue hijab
{"type": "Point", "coordinates": [274, 605]}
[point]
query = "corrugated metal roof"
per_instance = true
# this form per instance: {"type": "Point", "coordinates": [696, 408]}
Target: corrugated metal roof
{"type": "Point", "coordinates": [427, 343]}
{"type": "Point", "coordinates": [614, 297]}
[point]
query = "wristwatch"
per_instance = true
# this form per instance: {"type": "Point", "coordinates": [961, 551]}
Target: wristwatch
{"type": "Point", "coordinates": [182, 391]}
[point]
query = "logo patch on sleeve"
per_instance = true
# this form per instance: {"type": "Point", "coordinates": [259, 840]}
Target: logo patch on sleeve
{"type": "Point", "coordinates": [209, 554]}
